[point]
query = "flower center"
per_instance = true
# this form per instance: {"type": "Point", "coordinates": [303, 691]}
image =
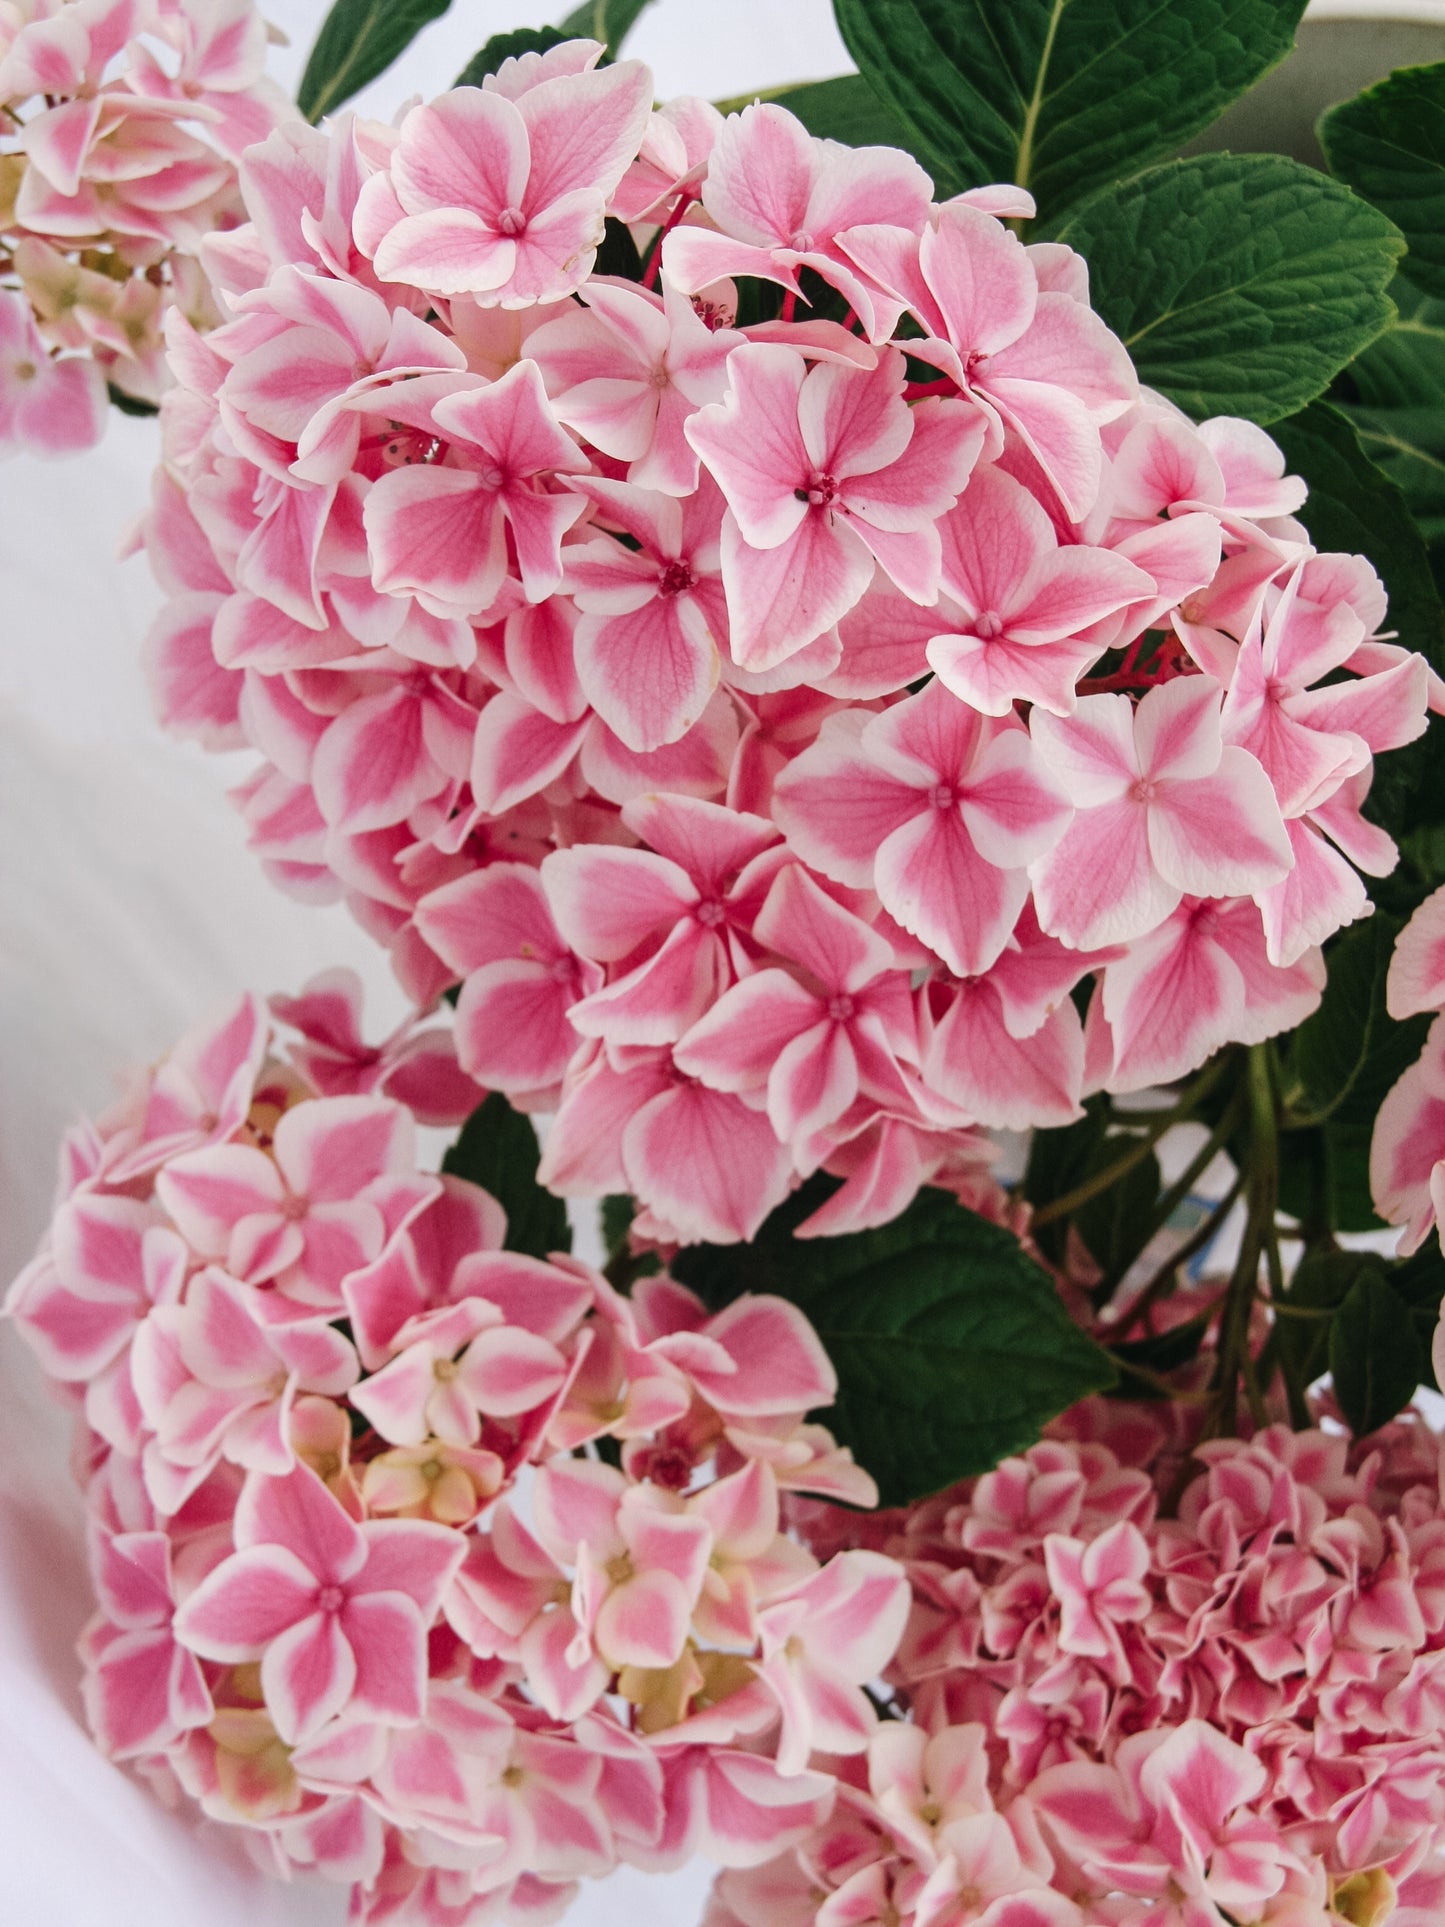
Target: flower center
{"type": "Point", "coordinates": [943, 796]}
{"type": "Point", "coordinates": [803, 242]}
{"type": "Point", "coordinates": [1143, 791]}
{"type": "Point", "coordinates": [293, 1208]}
{"type": "Point", "coordinates": [819, 493]}
{"type": "Point", "coordinates": [977, 364]}
{"type": "Point", "coordinates": [25, 371]}
{"type": "Point", "coordinates": [988, 625]}
{"type": "Point", "coordinates": [710, 914]}
{"type": "Point", "coordinates": [676, 579]}
{"type": "Point", "coordinates": [445, 1369]}
{"type": "Point", "coordinates": [511, 220]}
{"type": "Point", "coordinates": [330, 1599]}
{"type": "Point", "coordinates": [840, 1009]}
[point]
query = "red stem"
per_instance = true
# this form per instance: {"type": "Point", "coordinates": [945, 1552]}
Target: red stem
{"type": "Point", "coordinates": [654, 260]}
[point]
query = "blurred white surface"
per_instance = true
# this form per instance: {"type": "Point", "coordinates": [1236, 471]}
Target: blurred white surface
{"type": "Point", "coordinates": [128, 906]}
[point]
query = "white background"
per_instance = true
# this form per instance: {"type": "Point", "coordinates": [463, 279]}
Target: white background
{"type": "Point", "coordinates": [128, 907]}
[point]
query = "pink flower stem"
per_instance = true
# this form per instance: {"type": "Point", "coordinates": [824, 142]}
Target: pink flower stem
{"type": "Point", "coordinates": [916, 390]}
{"type": "Point", "coordinates": [654, 257]}
{"type": "Point", "coordinates": [790, 303]}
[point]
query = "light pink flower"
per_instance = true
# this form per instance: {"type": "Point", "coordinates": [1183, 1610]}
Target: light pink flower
{"type": "Point", "coordinates": [336, 1613]}
{"type": "Point", "coordinates": [1041, 364]}
{"type": "Point", "coordinates": [826, 470]}
{"type": "Point", "coordinates": [47, 406]}
{"type": "Point", "coordinates": [812, 1044]}
{"type": "Point", "coordinates": [341, 1181]}
{"type": "Point", "coordinates": [502, 199]}
{"type": "Point", "coordinates": [1164, 808]}
{"type": "Point", "coordinates": [416, 1067]}
{"type": "Point", "coordinates": [780, 198]}
{"type": "Point", "coordinates": [438, 529]}
{"type": "Point", "coordinates": [937, 808]}
{"type": "Point", "coordinates": [142, 1689]}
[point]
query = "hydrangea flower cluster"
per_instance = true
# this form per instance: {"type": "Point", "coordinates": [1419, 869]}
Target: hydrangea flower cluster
{"type": "Point", "coordinates": [1115, 1714]}
{"type": "Point", "coordinates": [443, 1569]}
{"type": "Point", "coordinates": [769, 681]}
{"type": "Point", "coordinates": [121, 122]}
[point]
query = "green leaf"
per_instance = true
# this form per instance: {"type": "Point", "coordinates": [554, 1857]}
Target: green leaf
{"type": "Point", "coordinates": [1405, 368]}
{"type": "Point", "coordinates": [1240, 283]}
{"type": "Point", "coordinates": [1409, 445]}
{"type": "Point", "coordinates": [618, 1211]}
{"type": "Point", "coordinates": [951, 1345]}
{"type": "Point", "coordinates": [609, 21]}
{"type": "Point", "coordinates": [129, 404]}
{"type": "Point", "coordinates": [1060, 96]}
{"type": "Point", "coordinates": [498, 1149]}
{"type": "Point", "coordinates": [844, 109]}
{"type": "Point", "coordinates": [1376, 1358]}
{"type": "Point", "coordinates": [1336, 1052]}
{"type": "Point", "coordinates": [1389, 144]}
{"type": "Point", "coordinates": [1321, 1282]}
{"type": "Point", "coordinates": [507, 46]}
{"type": "Point", "coordinates": [358, 40]}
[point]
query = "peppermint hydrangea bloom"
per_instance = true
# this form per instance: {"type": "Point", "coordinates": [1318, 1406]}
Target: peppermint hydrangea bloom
{"type": "Point", "coordinates": [120, 132]}
{"type": "Point", "coordinates": [366, 1584]}
{"type": "Point", "coordinates": [1078, 1715]}
{"type": "Point", "coordinates": [566, 609]}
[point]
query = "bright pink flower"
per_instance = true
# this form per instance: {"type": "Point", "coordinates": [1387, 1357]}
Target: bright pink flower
{"type": "Point", "coordinates": [142, 1689]}
{"type": "Point", "coordinates": [628, 371]}
{"type": "Point", "coordinates": [47, 407]}
{"type": "Point", "coordinates": [502, 199]}
{"type": "Point", "coordinates": [1163, 808]}
{"type": "Point", "coordinates": [1041, 364]}
{"type": "Point", "coordinates": [417, 1068]}
{"type": "Point", "coordinates": [495, 930]}
{"type": "Point", "coordinates": [438, 529]}
{"type": "Point", "coordinates": [935, 807]}
{"type": "Point", "coordinates": [336, 1613]}
{"type": "Point", "coordinates": [671, 921]}
{"type": "Point", "coordinates": [1099, 1587]}
{"type": "Point", "coordinates": [1022, 600]}
{"type": "Point", "coordinates": [640, 1568]}
{"type": "Point", "coordinates": [1407, 1150]}
{"type": "Point", "coordinates": [199, 1095]}
{"type": "Point", "coordinates": [340, 1182]}
{"type": "Point", "coordinates": [822, 1641]}
{"type": "Point", "coordinates": [654, 617]}
{"type": "Point", "coordinates": [812, 1045]}
{"type": "Point", "coordinates": [780, 198]}
{"type": "Point", "coordinates": [825, 470]}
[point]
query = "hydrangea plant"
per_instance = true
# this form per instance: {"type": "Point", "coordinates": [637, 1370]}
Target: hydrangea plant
{"type": "Point", "coordinates": [878, 645]}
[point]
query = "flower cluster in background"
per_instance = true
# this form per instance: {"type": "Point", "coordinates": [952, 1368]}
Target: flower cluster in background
{"type": "Point", "coordinates": [1223, 1711]}
{"type": "Point", "coordinates": [443, 1569]}
{"type": "Point", "coordinates": [770, 671]}
{"type": "Point", "coordinates": [121, 122]}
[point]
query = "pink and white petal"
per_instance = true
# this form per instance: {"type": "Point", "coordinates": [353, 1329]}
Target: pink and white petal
{"type": "Point", "coordinates": [933, 879]}
{"type": "Point", "coordinates": [1320, 895]}
{"type": "Point", "coordinates": [208, 1192]}
{"type": "Point", "coordinates": [246, 1603]}
{"type": "Point", "coordinates": [1173, 1001]}
{"type": "Point", "coordinates": [508, 1371]}
{"type": "Point", "coordinates": [1092, 751]}
{"type": "Point", "coordinates": [643, 1622]}
{"type": "Point", "coordinates": [1220, 835]}
{"type": "Point", "coordinates": [836, 805]}
{"type": "Point", "coordinates": [301, 1514]}
{"type": "Point", "coordinates": [512, 1029]}
{"type": "Point", "coordinates": [813, 1082]}
{"type": "Point", "coordinates": [387, 1638]}
{"type": "Point", "coordinates": [706, 1163]}
{"type": "Point", "coordinates": [1098, 884]}
{"type": "Point", "coordinates": [753, 446]}
{"type": "Point", "coordinates": [657, 1001]}
{"type": "Point", "coordinates": [648, 674]}
{"type": "Point", "coordinates": [308, 1676]}
{"type": "Point", "coordinates": [607, 901]}
{"type": "Point", "coordinates": [372, 766]}
{"type": "Point", "coordinates": [1416, 980]}
{"type": "Point", "coordinates": [1002, 1081]}
{"type": "Point", "coordinates": [1056, 428]}
{"type": "Point", "coordinates": [331, 1149]}
{"type": "Point", "coordinates": [436, 533]}
{"type": "Point", "coordinates": [1012, 804]}
{"type": "Point", "coordinates": [781, 598]}
{"type": "Point", "coordinates": [584, 128]}
{"type": "Point", "coordinates": [734, 1047]}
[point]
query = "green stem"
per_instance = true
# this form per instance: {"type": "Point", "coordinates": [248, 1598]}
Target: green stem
{"type": "Point", "coordinates": [1158, 1284]}
{"type": "Point", "coordinates": [1169, 1201]}
{"type": "Point", "coordinates": [1261, 1166]}
{"type": "Point", "coordinates": [1140, 1147]}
